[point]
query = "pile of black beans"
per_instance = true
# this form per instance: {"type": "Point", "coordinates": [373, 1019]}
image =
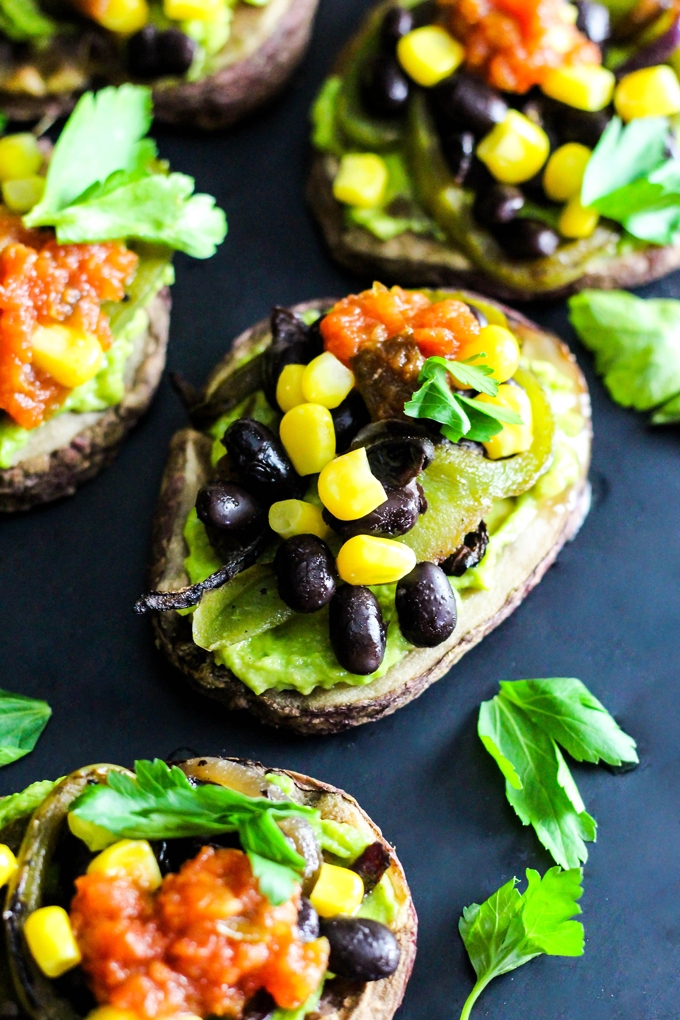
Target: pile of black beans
{"type": "Point", "coordinates": [465, 109]}
{"type": "Point", "coordinates": [154, 52]}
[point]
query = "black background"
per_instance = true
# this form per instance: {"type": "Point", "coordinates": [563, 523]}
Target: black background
{"type": "Point", "coordinates": [607, 613]}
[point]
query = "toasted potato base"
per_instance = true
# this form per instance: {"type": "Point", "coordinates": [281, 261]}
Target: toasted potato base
{"type": "Point", "coordinates": [416, 261]}
{"type": "Point", "coordinates": [520, 566]}
{"type": "Point", "coordinates": [265, 46]}
{"type": "Point", "coordinates": [50, 475]}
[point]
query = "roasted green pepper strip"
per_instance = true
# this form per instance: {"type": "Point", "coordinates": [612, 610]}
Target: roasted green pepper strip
{"type": "Point", "coordinates": [461, 486]}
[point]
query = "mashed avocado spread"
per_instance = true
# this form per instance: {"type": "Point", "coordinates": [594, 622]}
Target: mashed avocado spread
{"type": "Point", "coordinates": [249, 629]}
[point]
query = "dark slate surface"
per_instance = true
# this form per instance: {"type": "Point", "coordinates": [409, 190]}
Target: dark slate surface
{"type": "Point", "coordinates": [607, 613]}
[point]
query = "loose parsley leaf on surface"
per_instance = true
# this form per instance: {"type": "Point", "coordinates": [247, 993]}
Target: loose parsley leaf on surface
{"type": "Point", "coordinates": [22, 720]}
{"type": "Point", "coordinates": [511, 928]}
{"type": "Point", "coordinates": [161, 803]}
{"type": "Point", "coordinates": [636, 343]}
{"type": "Point", "coordinates": [459, 415]}
{"type": "Point", "coordinates": [521, 729]}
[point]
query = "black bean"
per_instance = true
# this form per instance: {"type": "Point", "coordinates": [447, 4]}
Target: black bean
{"type": "Point", "coordinates": [372, 863]}
{"type": "Point", "coordinates": [305, 571]}
{"type": "Point", "coordinates": [498, 204]}
{"type": "Point", "coordinates": [350, 416]}
{"type": "Point", "coordinates": [230, 507]}
{"type": "Point", "coordinates": [397, 23]}
{"type": "Point", "coordinates": [356, 629]}
{"type": "Point", "coordinates": [308, 921]}
{"type": "Point", "coordinates": [459, 150]}
{"type": "Point", "coordinates": [469, 554]}
{"type": "Point", "coordinates": [527, 239]}
{"type": "Point", "coordinates": [260, 1007]}
{"type": "Point", "coordinates": [426, 606]}
{"type": "Point", "coordinates": [292, 344]}
{"type": "Point", "coordinates": [261, 461]}
{"type": "Point", "coordinates": [176, 51]}
{"type": "Point", "coordinates": [386, 89]}
{"type": "Point", "coordinates": [469, 103]}
{"type": "Point", "coordinates": [593, 20]}
{"type": "Point", "coordinates": [286, 327]}
{"type": "Point", "coordinates": [479, 315]}
{"type": "Point", "coordinates": [143, 59]}
{"type": "Point", "coordinates": [582, 125]}
{"type": "Point", "coordinates": [397, 450]}
{"type": "Point", "coordinates": [361, 948]}
{"type": "Point", "coordinates": [397, 515]}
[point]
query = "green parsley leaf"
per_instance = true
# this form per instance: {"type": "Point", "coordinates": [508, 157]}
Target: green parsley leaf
{"type": "Point", "coordinates": [18, 805]}
{"type": "Point", "coordinates": [636, 343]}
{"type": "Point", "coordinates": [511, 928]}
{"type": "Point", "coordinates": [22, 720]}
{"type": "Point", "coordinates": [103, 181]}
{"type": "Point", "coordinates": [161, 803]}
{"type": "Point", "coordinates": [521, 729]}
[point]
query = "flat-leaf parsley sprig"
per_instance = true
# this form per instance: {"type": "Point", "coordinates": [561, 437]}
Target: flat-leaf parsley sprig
{"type": "Point", "coordinates": [458, 414]}
{"type": "Point", "coordinates": [161, 803]}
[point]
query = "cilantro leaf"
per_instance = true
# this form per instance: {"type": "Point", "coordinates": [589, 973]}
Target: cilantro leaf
{"type": "Point", "coordinates": [161, 803]}
{"type": "Point", "coordinates": [22, 720]}
{"type": "Point", "coordinates": [511, 928]}
{"type": "Point", "coordinates": [636, 343]}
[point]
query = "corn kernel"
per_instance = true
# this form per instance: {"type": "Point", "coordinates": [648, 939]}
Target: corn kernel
{"type": "Point", "coordinates": [337, 891]}
{"type": "Point", "coordinates": [429, 54]}
{"type": "Point", "coordinates": [365, 559]}
{"type": "Point", "coordinates": [361, 180]}
{"type": "Point", "coordinates": [515, 149]}
{"type": "Point", "coordinates": [69, 357]}
{"type": "Point", "coordinates": [51, 941]}
{"type": "Point", "coordinates": [327, 381]}
{"type": "Point", "coordinates": [192, 10]}
{"type": "Point", "coordinates": [8, 864]}
{"type": "Point", "coordinates": [132, 857]}
{"type": "Point", "coordinates": [650, 92]}
{"type": "Point", "coordinates": [308, 434]}
{"type": "Point", "coordinates": [289, 387]}
{"type": "Point", "coordinates": [500, 347]}
{"type": "Point", "coordinates": [21, 195]}
{"type": "Point", "coordinates": [122, 16]}
{"type": "Point", "coordinates": [583, 86]}
{"type": "Point", "coordinates": [95, 837]}
{"type": "Point", "coordinates": [577, 220]}
{"type": "Point", "coordinates": [290, 517]}
{"type": "Point", "coordinates": [512, 438]}
{"type": "Point", "coordinates": [113, 1013]}
{"type": "Point", "coordinates": [564, 171]}
{"type": "Point", "coordinates": [348, 487]}
{"type": "Point", "coordinates": [20, 156]}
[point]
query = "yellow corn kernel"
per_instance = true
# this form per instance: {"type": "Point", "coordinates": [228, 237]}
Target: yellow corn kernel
{"type": "Point", "coordinates": [95, 837]}
{"type": "Point", "coordinates": [515, 149]}
{"type": "Point", "coordinates": [512, 438]}
{"type": "Point", "coordinates": [500, 347]}
{"type": "Point", "coordinates": [308, 434]}
{"type": "Point", "coordinates": [429, 54]}
{"type": "Point", "coordinates": [8, 864]}
{"type": "Point", "coordinates": [69, 357]}
{"type": "Point", "coordinates": [113, 1013]}
{"type": "Point", "coordinates": [291, 517]}
{"type": "Point", "coordinates": [192, 10]}
{"type": "Point", "coordinates": [348, 487]}
{"type": "Point", "coordinates": [337, 891]}
{"type": "Point", "coordinates": [51, 941]}
{"type": "Point", "coordinates": [564, 171]}
{"type": "Point", "coordinates": [122, 16]}
{"type": "Point", "coordinates": [132, 857]}
{"type": "Point", "coordinates": [583, 86]}
{"type": "Point", "coordinates": [20, 156]}
{"type": "Point", "coordinates": [327, 381]}
{"type": "Point", "coordinates": [365, 559]}
{"type": "Point", "coordinates": [289, 387]}
{"type": "Point", "coordinates": [577, 220]}
{"type": "Point", "coordinates": [361, 180]}
{"type": "Point", "coordinates": [21, 195]}
{"type": "Point", "coordinates": [650, 92]}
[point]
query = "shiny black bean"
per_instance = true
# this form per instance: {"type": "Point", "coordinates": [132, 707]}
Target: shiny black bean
{"type": "Point", "coordinates": [350, 416]}
{"type": "Point", "coordinates": [426, 606]}
{"type": "Point", "coordinates": [305, 571]}
{"type": "Point", "coordinates": [372, 863]}
{"type": "Point", "coordinates": [397, 450]}
{"type": "Point", "coordinates": [459, 150]}
{"type": "Point", "coordinates": [176, 51]}
{"type": "Point", "coordinates": [308, 921]}
{"type": "Point", "coordinates": [260, 1007]}
{"type": "Point", "coordinates": [291, 344]}
{"type": "Point", "coordinates": [397, 23]}
{"type": "Point", "coordinates": [479, 315]}
{"type": "Point", "coordinates": [356, 629]}
{"type": "Point", "coordinates": [397, 515]}
{"type": "Point", "coordinates": [498, 204]}
{"type": "Point", "coordinates": [361, 948]}
{"type": "Point", "coordinates": [581, 125]}
{"type": "Point", "coordinates": [386, 89]}
{"type": "Point", "coordinates": [469, 103]}
{"type": "Point", "coordinates": [230, 507]}
{"type": "Point", "coordinates": [527, 239]}
{"type": "Point", "coordinates": [593, 20]}
{"type": "Point", "coordinates": [261, 461]}
{"type": "Point", "coordinates": [469, 554]}
{"type": "Point", "coordinates": [143, 59]}
{"type": "Point", "coordinates": [286, 327]}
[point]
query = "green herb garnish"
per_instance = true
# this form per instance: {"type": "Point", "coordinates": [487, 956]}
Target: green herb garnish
{"type": "Point", "coordinates": [104, 182]}
{"type": "Point", "coordinates": [23, 21]}
{"type": "Point", "coordinates": [511, 928]}
{"type": "Point", "coordinates": [521, 729]}
{"type": "Point", "coordinates": [161, 803]}
{"type": "Point", "coordinates": [18, 805]}
{"type": "Point", "coordinates": [22, 720]}
{"type": "Point", "coordinates": [459, 415]}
